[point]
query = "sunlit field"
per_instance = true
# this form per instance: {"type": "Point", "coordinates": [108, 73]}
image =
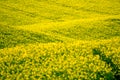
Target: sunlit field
{"type": "Point", "coordinates": [59, 40]}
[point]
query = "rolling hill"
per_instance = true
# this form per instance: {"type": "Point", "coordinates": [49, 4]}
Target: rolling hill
{"type": "Point", "coordinates": [60, 39]}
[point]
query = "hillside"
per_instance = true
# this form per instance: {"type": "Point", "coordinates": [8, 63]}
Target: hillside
{"type": "Point", "coordinates": [60, 39]}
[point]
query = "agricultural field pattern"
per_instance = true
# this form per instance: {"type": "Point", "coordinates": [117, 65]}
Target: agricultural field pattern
{"type": "Point", "coordinates": [59, 39]}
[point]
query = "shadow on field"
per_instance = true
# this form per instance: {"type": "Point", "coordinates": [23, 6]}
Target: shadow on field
{"type": "Point", "coordinates": [10, 37]}
{"type": "Point", "coordinates": [114, 20]}
{"type": "Point", "coordinates": [115, 72]}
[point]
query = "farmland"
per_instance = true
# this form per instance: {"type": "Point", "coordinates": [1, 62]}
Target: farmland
{"type": "Point", "coordinates": [59, 40]}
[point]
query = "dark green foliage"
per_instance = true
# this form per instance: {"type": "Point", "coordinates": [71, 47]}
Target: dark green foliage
{"type": "Point", "coordinates": [115, 69]}
{"type": "Point", "coordinates": [114, 20]}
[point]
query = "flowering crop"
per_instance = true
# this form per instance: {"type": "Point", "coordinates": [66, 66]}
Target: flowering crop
{"type": "Point", "coordinates": [59, 40]}
{"type": "Point", "coordinates": [60, 60]}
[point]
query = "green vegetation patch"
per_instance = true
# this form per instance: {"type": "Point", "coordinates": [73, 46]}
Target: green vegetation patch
{"type": "Point", "coordinates": [10, 37]}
